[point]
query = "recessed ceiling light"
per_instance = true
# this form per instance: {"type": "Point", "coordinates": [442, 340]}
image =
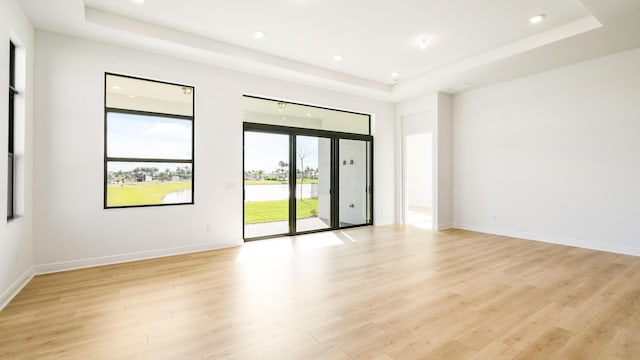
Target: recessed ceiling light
{"type": "Point", "coordinates": [395, 76]}
{"type": "Point", "coordinates": [132, 96]}
{"type": "Point", "coordinates": [308, 114]}
{"type": "Point", "coordinates": [115, 87]}
{"type": "Point", "coordinates": [259, 34]}
{"type": "Point", "coordinates": [337, 57]}
{"type": "Point", "coordinates": [138, 1]}
{"type": "Point", "coordinates": [537, 18]}
{"type": "Point", "coordinates": [423, 43]}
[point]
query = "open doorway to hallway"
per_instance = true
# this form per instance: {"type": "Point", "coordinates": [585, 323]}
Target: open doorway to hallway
{"type": "Point", "coordinates": [418, 185]}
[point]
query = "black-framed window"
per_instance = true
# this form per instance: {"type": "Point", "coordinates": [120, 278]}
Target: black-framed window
{"type": "Point", "coordinates": [11, 131]}
{"type": "Point", "coordinates": [149, 142]}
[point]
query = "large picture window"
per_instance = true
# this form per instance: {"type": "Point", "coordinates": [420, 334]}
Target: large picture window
{"type": "Point", "coordinates": [11, 131]}
{"type": "Point", "coordinates": [149, 131]}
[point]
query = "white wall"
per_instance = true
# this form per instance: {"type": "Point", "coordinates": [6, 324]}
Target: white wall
{"type": "Point", "coordinates": [553, 156]}
{"type": "Point", "coordinates": [73, 229]}
{"type": "Point", "coordinates": [16, 236]}
{"type": "Point", "coordinates": [443, 167]}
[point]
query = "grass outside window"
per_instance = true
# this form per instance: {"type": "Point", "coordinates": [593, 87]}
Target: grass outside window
{"type": "Point", "coordinates": [278, 210]}
{"type": "Point", "coordinates": [142, 193]}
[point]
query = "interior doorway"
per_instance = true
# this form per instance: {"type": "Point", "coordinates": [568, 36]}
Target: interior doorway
{"type": "Point", "coordinates": [418, 197]}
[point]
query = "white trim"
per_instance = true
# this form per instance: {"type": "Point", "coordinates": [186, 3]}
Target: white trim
{"type": "Point", "coordinates": [444, 226]}
{"type": "Point", "coordinates": [16, 287]}
{"type": "Point", "coordinates": [122, 258]}
{"type": "Point", "coordinates": [618, 249]}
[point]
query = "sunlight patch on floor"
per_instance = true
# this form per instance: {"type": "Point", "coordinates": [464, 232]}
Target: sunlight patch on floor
{"type": "Point", "coordinates": [285, 246]}
{"type": "Point", "coordinates": [265, 249]}
{"type": "Point", "coordinates": [315, 241]}
{"type": "Point", "coordinates": [420, 216]}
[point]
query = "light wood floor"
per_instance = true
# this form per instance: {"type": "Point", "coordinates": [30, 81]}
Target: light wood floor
{"type": "Point", "coordinates": [389, 292]}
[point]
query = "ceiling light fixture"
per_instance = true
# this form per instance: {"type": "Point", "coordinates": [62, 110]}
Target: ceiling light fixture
{"type": "Point", "coordinates": [308, 114]}
{"type": "Point", "coordinates": [423, 43]}
{"type": "Point", "coordinates": [537, 18]}
{"type": "Point", "coordinates": [337, 58]}
{"type": "Point", "coordinates": [138, 1]}
{"type": "Point", "coordinates": [115, 87]}
{"type": "Point", "coordinates": [258, 34]}
{"type": "Point", "coordinates": [281, 106]}
{"type": "Point", "coordinates": [395, 76]}
{"type": "Point", "coordinates": [187, 90]}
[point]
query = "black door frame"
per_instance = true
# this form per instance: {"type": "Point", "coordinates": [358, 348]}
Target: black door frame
{"type": "Point", "coordinates": [335, 137]}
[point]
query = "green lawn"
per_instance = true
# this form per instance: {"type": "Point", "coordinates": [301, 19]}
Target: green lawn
{"type": "Point", "coordinates": [277, 210]}
{"type": "Point", "coordinates": [142, 193]}
{"type": "Point", "coordinates": [275, 182]}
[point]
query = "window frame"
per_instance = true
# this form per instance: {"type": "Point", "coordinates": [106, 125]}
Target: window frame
{"type": "Point", "coordinates": [108, 159]}
{"type": "Point", "coordinates": [11, 188]}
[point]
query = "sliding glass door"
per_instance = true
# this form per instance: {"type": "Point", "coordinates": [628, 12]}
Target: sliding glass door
{"type": "Point", "coordinates": [306, 169]}
{"type": "Point", "coordinates": [299, 180]}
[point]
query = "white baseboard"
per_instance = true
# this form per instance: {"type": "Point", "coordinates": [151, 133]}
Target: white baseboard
{"type": "Point", "coordinates": [618, 249]}
{"type": "Point", "coordinates": [15, 288]}
{"type": "Point", "coordinates": [443, 226]}
{"type": "Point", "coordinates": [122, 258]}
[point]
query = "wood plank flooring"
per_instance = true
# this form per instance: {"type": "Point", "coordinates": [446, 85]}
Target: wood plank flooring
{"type": "Point", "coordinates": [390, 292]}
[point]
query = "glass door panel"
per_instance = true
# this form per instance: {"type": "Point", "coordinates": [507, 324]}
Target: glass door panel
{"type": "Point", "coordinates": [266, 184]}
{"type": "Point", "coordinates": [354, 182]}
{"type": "Point", "coordinates": [313, 183]}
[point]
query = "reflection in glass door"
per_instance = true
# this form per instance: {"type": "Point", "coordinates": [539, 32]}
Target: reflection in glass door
{"type": "Point", "coordinates": [266, 184]}
{"type": "Point", "coordinates": [355, 182]}
{"type": "Point", "coordinates": [313, 183]}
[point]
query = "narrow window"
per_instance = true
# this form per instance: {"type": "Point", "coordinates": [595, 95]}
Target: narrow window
{"type": "Point", "coordinates": [149, 131]}
{"type": "Point", "coordinates": [11, 132]}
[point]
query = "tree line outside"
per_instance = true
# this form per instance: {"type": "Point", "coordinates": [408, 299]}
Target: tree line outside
{"type": "Point", "coordinates": [140, 174]}
{"type": "Point", "coordinates": [279, 175]}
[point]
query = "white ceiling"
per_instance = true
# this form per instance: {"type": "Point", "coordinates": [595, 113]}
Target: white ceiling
{"type": "Point", "coordinates": [474, 42]}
